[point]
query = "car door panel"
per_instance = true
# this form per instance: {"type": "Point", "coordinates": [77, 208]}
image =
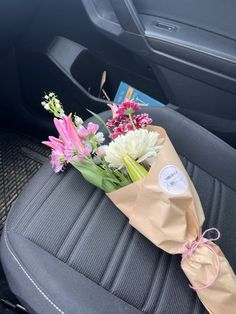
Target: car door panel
{"type": "Point", "coordinates": [190, 46]}
{"type": "Point", "coordinates": [215, 16]}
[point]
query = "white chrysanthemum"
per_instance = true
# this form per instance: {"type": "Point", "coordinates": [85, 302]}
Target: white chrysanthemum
{"type": "Point", "coordinates": [141, 145]}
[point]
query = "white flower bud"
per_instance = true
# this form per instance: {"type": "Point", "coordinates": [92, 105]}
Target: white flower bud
{"type": "Point", "coordinates": [46, 106]}
{"type": "Point", "coordinates": [51, 94]}
{"type": "Point", "coordinates": [46, 97]}
{"type": "Point", "coordinates": [43, 103]}
{"type": "Point", "coordinates": [78, 121]}
{"type": "Point", "coordinates": [58, 106]}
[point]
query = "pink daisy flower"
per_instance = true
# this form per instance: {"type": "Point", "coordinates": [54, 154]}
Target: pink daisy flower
{"type": "Point", "coordinates": [128, 108]}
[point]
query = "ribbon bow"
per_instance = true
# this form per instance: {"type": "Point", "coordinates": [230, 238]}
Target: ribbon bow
{"type": "Point", "coordinates": [190, 247]}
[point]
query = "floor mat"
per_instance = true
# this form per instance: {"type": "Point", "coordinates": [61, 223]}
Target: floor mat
{"type": "Point", "coordinates": [20, 159]}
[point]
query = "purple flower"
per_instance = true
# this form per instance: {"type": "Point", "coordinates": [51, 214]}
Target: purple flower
{"type": "Point", "coordinates": [90, 136]}
{"type": "Point", "coordinates": [91, 129]}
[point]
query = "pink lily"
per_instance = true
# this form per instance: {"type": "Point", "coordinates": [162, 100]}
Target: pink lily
{"type": "Point", "coordinates": [58, 160]}
{"type": "Point", "coordinates": [54, 143]}
{"type": "Point", "coordinates": [67, 131]}
{"type": "Point", "coordinates": [73, 144]}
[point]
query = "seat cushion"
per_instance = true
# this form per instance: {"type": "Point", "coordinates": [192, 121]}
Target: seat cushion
{"type": "Point", "coordinates": [66, 248]}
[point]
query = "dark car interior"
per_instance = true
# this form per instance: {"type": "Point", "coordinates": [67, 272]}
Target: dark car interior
{"type": "Point", "coordinates": [65, 247]}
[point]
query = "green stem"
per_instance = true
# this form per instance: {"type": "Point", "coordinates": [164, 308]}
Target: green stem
{"type": "Point", "coordinates": [123, 179]}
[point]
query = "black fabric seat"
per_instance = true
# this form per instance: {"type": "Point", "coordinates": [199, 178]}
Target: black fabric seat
{"type": "Point", "coordinates": [67, 249]}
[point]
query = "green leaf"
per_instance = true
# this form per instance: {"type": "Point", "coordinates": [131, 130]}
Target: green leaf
{"type": "Point", "coordinates": [96, 176]}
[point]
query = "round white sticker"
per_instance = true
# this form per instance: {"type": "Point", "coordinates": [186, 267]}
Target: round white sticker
{"type": "Point", "coordinates": [173, 180]}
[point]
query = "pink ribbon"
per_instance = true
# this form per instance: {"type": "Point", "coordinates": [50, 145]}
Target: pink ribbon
{"type": "Point", "coordinates": [190, 248]}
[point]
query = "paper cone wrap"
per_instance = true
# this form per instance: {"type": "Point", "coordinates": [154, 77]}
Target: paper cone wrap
{"type": "Point", "coordinates": [165, 208]}
{"type": "Point", "coordinates": [220, 297]}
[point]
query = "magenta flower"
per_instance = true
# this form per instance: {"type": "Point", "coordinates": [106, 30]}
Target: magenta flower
{"type": "Point", "coordinates": [121, 129]}
{"type": "Point", "coordinates": [121, 121]}
{"type": "Point", "coordinates": [127, 108]}
{"type": "Point", "coordinates": [111, 123]}
{"type": "Point", "coordinates": [126, 120]}
{"type": "Point", "coordinates": [141, 120]}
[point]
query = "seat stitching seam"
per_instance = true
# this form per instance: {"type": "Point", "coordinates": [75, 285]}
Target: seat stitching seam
{"type": "Point", "coordinates": [146, 307]}
{"type": "Point", "coordinates": [194, 304]}
{"type": "Point", "coordinates": [29, 277]}
{"type": "Point", "coordinates": [39, 208]}
{"type": "Point", "coordinates": [164, 280]}
{"type": "Point", "coordinates": [72, 227]}
{"type": "Point", "coordinates": [31, 201]}
{"type": "Point", "coordinates": [114, 250]}
{"type": "Point", "coordinates": [44, 295]}
{"type": "Point", "coordinates": [213, 202]}
{"type": "Point", "coordinates": [119, 269]}
{"type": "Point", "coordinates": [220, 201]}
{"type": "Point", "coordinates": [109, 291]}
{"type": "Point", "coordinates": [69, 259]}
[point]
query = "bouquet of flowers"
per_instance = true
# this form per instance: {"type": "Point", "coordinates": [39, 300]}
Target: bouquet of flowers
{"type": "Point", "coordinates": [142, 174]}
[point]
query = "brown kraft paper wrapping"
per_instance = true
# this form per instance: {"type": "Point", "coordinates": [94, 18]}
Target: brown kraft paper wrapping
{"type": "Point", "coordinates": [165, 208]}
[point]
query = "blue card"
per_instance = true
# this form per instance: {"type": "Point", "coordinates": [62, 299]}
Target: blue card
{"type": "Point", "coordinates": [126, 92]}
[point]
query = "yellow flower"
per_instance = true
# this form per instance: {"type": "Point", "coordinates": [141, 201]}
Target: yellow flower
{"type": "Point", "coordinates": [141, 145]}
